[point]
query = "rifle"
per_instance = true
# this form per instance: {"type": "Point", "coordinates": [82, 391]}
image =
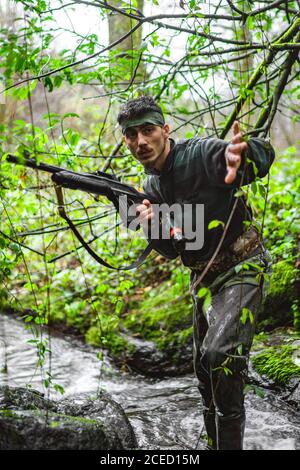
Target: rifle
{"type": "Point", "coordinates": [100, 184]}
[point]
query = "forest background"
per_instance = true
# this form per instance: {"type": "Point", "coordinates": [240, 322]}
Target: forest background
{"type": "Point", "coordinates": [66, 68]}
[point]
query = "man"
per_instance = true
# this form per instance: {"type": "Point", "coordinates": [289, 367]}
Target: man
{"type": "Point", "coordinates": [209, 172]}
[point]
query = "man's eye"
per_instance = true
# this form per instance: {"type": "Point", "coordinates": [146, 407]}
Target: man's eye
{"type": "Point", "coordinates": [130, 135]}
{"type": "Point", "coordinates": [148, 130]}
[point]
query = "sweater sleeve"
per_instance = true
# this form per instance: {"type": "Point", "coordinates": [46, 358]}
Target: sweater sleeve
{"type": "Point", "coordinates": [256, 161]}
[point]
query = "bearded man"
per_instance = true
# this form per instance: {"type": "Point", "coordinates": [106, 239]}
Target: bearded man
{"type": "Point", "coordinates": [208, 172]}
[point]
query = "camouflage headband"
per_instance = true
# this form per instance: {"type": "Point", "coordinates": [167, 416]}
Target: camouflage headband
{"type": "Point", "coordinates": [150, 117]}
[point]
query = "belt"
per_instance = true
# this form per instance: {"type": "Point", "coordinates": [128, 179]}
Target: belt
{"type": "Point", "coordinates": [246, 245]}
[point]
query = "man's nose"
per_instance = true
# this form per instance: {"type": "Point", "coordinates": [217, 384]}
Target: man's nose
{"type": "Point", "coordinates": [141, 140]}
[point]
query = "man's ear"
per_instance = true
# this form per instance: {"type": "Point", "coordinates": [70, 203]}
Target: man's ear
{"type": "Point", "coordinates": [166, 130]}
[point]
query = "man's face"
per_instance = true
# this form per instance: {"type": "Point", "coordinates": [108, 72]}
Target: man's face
{"type": "Point", "coordinates": [147, 143]}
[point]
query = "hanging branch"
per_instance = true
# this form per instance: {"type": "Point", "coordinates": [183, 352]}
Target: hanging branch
{"type": "Point", "coordinates": [267, 115]}
{"type": "Point", "coordinates": [291, 32]}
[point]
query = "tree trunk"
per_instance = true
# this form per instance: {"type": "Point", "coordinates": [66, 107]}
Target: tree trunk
{"type": "Point", "coordinates": [119, 25]}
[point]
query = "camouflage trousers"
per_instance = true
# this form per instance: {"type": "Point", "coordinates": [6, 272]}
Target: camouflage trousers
{"type": "Point", "coordinates": [223, 335]}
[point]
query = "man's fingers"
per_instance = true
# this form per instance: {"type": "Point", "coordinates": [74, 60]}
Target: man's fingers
{"type": "Point", "coordinates": [237, 139]}
{"type": "Point", "coordinates": [231, 175]}
{"type": "Point", "coordinates": [140, 208]}
{"type": "Point", "coordinates": [233, 162]}
{"type": "Point", "coordinates": [236, 149]}
{"type": "Point", "coordinates": [233, 153]}
{"type": "Point", "coordinates": [144, 212]}
{"type": "Point", "coordinates": [146, 202]}
{"type": "Point", "coordinates": [235, 128]}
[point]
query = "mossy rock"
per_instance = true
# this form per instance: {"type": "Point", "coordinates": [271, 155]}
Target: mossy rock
{"type": "Point", "coordinates": [29, 421]}
{"type": "Point", "coordinates": [146, 358]}
{"type": "Point", "coordinates": [282, 280]}
{"type": "Point", "coordinates": [278, 363]}
{"type": "Point", "coordinates": [158, 331]}
{"type": "Point", "coordinates": [282, 294]}
{"type": "Point", "coordinates": [111, 340]}
{"type": "Point", "coordinates": [45, 430]}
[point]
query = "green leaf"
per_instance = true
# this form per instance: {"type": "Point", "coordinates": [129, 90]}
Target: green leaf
{"type": "Point", "coordinates": [250, 22]}
{"type": "Point", "coordinates": [215, 223]}
{"type": "Point", "coordinates": [246, 313]}
{"type": "Point", "coordinates": [207, 302]}
{"type": "Point", "coordinates": [262, 190]}
{"type": "Point", "coordinates": [48, 83]}
{"type": "Point", "coordinates": [254, 187]}
{"type": "Point", "coordinates": [227, 371]}
{"type": "Point", "coordinates": [28, 318]}
{"type": "Point", "coordinates": [202, 292]}
{"type": "Point", "coordinates": [59, 388]}
{"type": "Point", "coordinates": [70, 115]}
{"type": "Point", "coordinates": [74, 139]}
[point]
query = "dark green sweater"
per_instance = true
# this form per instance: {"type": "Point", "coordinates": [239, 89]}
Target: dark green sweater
{"type": "Point", "coordinates": [194, 173]}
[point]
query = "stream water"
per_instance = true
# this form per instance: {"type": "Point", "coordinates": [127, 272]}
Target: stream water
{"type": "Point", "coordinates": [165, 413]}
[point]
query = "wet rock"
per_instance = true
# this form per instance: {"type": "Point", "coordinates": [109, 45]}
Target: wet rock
{"type": "Point", "coordinates": [145, 358]}
{"type": "Point", "coordinates": [294, 397]}
{"type": "Point", "coordinates": [29, 421]}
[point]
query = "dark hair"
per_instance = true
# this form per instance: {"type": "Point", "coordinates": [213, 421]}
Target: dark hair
{"type": "Point", "coordinates": [137, 107]}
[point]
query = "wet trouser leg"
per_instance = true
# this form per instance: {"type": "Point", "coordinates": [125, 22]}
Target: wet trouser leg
{"type": "Point", "coordinates": [223, 336]}
{"type": "Point", "coordinates": [201, 368]}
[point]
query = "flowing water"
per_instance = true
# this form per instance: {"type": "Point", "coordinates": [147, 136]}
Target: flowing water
{"type": "Point", "coordinates": [164, 413]}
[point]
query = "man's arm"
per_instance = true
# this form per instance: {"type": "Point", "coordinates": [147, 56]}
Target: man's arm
{"type": "Point", "coordinates": [236, 163]}
{"type": "Point", "coordinates": [258, 151]}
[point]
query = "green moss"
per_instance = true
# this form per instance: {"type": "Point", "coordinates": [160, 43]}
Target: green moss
{"type": "Point", "coordinates": [9, 414]}
{"type": "Point", "coordinates": [54, 424]}
{"type": "Point", "coordinates": [277, 363]}
{"type": "Point", "coordinates": [280, 307]}
{"type": "Point", "coordinates": [78, 419]}
{"type": "Point", "coordinates": [282, 279]}
{"type": "Point", "coordinates": [56, 418]}
{"type": "Point", "coordinates": [163, 316]}
{"type": "Point", "coordinates": [110, 340]}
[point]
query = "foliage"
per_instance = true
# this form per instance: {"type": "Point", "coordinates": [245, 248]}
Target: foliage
{"type": "Point", "coordinates": [163, 314]}
{"type": "Point", "coordinates": [276, 362]}
{"type": "Point", "coordinates": [229, 66]}
{"type": "Point", "coordinates": [281, 224]}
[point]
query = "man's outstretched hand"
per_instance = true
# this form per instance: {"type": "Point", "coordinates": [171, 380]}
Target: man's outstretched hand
{"type": "Point", "coordinates": [233, 153]}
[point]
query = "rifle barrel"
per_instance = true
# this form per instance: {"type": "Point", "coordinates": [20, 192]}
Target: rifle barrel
{"type": "Point", "coordinates": [31, 163]}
